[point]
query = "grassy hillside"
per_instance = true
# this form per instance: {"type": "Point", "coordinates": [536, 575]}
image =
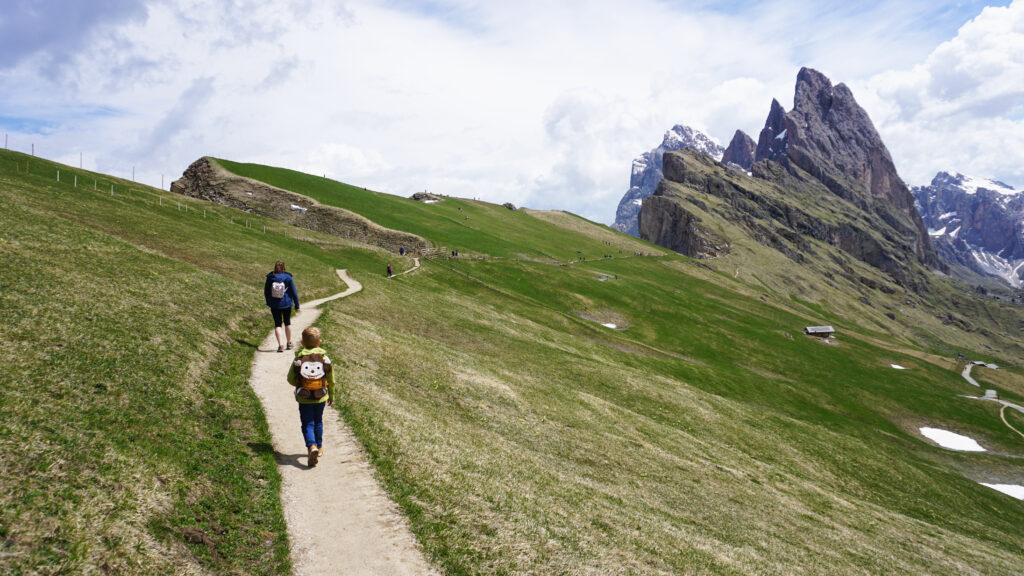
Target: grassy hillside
{"type": "Point", "coordinates": [469, 226]}
{"type": "Point", "coordinates": [704, 434]}
{"type": "Point", "coordinates": [523, 438]}
{"type": "Point", "coordinates": [131, 441]}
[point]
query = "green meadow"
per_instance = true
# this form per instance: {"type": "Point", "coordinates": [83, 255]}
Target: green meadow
{"type": "Point", "coordinates": [703, 434]}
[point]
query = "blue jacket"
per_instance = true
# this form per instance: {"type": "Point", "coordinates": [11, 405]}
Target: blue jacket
{"type": "Point", "coordinates": [290, 295]}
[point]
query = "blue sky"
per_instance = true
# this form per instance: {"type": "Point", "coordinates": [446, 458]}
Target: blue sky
{"type": "Point", "coordinates": [543, 104]}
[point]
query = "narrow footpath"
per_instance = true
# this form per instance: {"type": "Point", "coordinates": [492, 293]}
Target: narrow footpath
{"type": "Point", "coordinates": [415, 267]}
{"type": "Point", "coordinates": [992, 398]}
{"type": "Point", "coordinates": [339, 519]}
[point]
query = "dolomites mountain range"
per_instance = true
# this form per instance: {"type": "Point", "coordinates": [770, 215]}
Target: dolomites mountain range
{"type": "Point", "coordinates": [824, 173]}
{"type": "Point", "coordinates": [829, 140]}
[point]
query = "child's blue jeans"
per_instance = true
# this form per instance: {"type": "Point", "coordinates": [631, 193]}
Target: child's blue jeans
{"type": "Point", "coordinates": [312, 417]}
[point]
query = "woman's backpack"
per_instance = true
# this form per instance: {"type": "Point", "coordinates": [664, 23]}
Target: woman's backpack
{"type": "Point", "coordinates": [278, 289]}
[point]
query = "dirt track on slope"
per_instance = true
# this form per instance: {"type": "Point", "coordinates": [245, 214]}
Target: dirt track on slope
{"type": "Point", "coordinates": [339, 519]}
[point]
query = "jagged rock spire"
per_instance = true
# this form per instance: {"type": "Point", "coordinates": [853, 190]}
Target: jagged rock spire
{"type": "Point", "coordinates": [740, 151]}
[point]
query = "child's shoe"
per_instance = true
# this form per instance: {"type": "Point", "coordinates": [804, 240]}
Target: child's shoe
{"type": "Point", "coordinates": [314, 455]}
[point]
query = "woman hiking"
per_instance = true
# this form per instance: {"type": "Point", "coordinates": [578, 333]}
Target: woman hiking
{"type": "Point", "coordinates": [279, 291]}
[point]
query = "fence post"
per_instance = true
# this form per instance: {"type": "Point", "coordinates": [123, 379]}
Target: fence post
{"type": "Point", "coordinates": [161, 200]}
{"type": "Point", "coordinates": [204, 212]}
{"type": "Point", "coordinates": [76, 180]}
{"type": "Point", "coordinates": [186, 208]}
{"type": "Point", "coordinates": [58, 175]}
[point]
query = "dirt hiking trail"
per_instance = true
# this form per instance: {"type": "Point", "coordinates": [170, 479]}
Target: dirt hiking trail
{"type": "Point", "coordinates": [339, 519]}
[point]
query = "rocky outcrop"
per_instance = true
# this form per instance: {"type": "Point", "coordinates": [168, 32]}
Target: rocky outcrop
{"type": "Point", "coordinates": [425, 197]}
{"type": "Point", "coordinates": [771, 214]}
{"type": "Point", "coordinates": [829, 137]}
{"type": "Point", "coordinates": [740, 152]}
{"type": "Point", "coordinates": [646, 173]}
{"type": "Point", "coordinates": [208, 180]}
{"type": "Point", "coordinates": [665, 222]}
{"type": "Point", "coordinates": [975, 223]}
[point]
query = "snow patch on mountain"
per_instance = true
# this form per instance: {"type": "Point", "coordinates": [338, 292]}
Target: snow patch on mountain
{"type": "Point", "coordinates": [971, 185]}
{"type": "Point", "coordinates": [646, 172]}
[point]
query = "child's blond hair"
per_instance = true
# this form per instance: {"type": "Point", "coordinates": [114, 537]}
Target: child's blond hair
{"type": "Point", "coordinates": [311, 337]}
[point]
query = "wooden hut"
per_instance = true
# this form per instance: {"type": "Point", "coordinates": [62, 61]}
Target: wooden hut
{"type": "Point", "coordinates": [820, 331]}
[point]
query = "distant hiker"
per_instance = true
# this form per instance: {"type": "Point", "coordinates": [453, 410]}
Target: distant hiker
{"type": "Point", "coordinates": [389, 270]}
{"type": "Point", "coordinates": [313, 378]}
{"type": "Point", "coordinates": [401, 251]}
{"type": "Point", "coordinates": [279, 291]}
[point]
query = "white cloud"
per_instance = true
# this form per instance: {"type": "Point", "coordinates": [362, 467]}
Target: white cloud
{"type": "Point", "coordinates": [962, 108]}
{"type": "Point", "coordinates": [537, 103]}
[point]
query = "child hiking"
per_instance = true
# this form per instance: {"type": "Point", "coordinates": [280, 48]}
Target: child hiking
{"type": "Point", "coordinates": [313, 378]}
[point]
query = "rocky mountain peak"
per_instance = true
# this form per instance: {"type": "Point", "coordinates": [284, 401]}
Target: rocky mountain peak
{"type": "Point", "coordinates": [813, 90]}
{"type": "Point", "coordinates": [646, 172]}
{"type": "Point", "coordinates": [771, 143]}
{"type": "Point", "coordinates": [830, 138]}
{"type": "Point", "coordinates": [741, 151]}
{"type": "Point", "coordinates": [821, 172]}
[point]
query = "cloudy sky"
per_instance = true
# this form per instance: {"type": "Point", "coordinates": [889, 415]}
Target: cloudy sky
{"type": "Point", "coordinates": [541, 103]}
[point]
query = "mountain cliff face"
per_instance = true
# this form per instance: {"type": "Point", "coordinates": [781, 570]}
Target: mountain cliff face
{"type": "Point", "coordinates": [976, 223]}
{"type": "Point", "coordinates": [647, 173]}
{"type": "Point", "coordinates": [741, 151]}
{"type": "Point", "coordinates": [827, 176]}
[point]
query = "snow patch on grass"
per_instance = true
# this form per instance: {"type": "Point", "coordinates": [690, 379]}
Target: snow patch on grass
{"type": "Point", "coordinates": [951, 440]}
{"type": "Point", "coordinates": [1015, 490]}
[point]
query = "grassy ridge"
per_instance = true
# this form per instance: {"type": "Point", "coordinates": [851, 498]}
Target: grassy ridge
{"type": "Point", "coordinates": [131, 440]}
{"type": "Point", "coordinates": [469, 226]}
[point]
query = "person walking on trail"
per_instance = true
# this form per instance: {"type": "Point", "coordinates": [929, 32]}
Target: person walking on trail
{"type": "Point", "coordinates": [389, 271]}
{"type": "Point", "coordinates": [279, 291]}
{"type": "Point", "coordinates": [312, 375]}
{"type": "Point", "coordinates": [401, 251]}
